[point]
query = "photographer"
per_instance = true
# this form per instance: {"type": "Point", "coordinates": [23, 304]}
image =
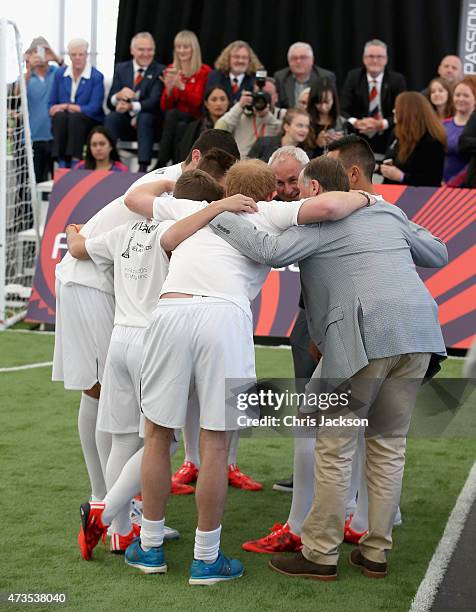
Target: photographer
{"type": "Point", "coordinates": [251, 117]}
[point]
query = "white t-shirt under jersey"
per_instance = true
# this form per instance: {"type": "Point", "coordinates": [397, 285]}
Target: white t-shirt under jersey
{"type": "Point", "coordinates": [116, 213]}
{"type": "Point", "coordinates": [140, 267]}
{"type": "Point", "coordinates": [205, 264]}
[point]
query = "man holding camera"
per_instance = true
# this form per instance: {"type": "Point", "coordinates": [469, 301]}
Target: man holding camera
{"type": "Point", "coordinates": [251, 117]}
{"type": "Point", "coordinates": [134, 98]}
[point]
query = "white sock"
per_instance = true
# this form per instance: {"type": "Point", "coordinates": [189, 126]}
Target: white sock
{"type": "Point", "coordinates": [191, 431]}
{"type": "Point", "coordinates": [303, 482]}
{"type": "Point", "coordinates": [233, 450]}
{"type": "Point", "coordinates": [124, 489]}
{"type": "Point", "coordinates": [88, 410]}
{"type": "Point", "coordinates": [207, 545]}
{"type": "Point", "coordinates": [124, 446]}
{"type": "Point", "coordinates": [151, 534]}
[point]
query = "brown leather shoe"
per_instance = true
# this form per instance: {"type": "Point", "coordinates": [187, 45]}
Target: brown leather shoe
{"type": "Point", "coordinates": [371, 569]}
{"type": "Point", "coordinates": [298, 565]}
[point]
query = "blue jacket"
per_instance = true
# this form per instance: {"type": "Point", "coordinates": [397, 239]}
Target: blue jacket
{"type": "Point", "coordinates": [89, 95]}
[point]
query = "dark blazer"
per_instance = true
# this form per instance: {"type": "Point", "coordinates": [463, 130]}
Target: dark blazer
{"type": "Point", "coordinates": [150, 88]}
{"type": "Point", "coordinates": [467, 144]}
{"type": "Point", "coordinates": [222, 79]}
{"type": "Point", "coordinates": [354, 101]}
{"type": "Point", "coordinates": [285, 84]}
{"type": "Point", "coordinates": [424, 167]}
{"type": "Point", "coordinates": [89, 95]}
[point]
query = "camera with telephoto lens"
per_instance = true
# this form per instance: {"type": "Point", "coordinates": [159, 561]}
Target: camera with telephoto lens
{"type": "Point", "coordinates": [261, 99]}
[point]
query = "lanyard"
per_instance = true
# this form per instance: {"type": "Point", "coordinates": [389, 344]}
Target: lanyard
{"type": "Point", "coordinates": [259, 134]}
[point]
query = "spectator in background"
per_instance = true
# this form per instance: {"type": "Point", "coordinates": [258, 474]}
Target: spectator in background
{"type": "Point", "coordinates": [182, 98]}
{"type": "Point", "coordinates": [417, 154]}
{"type": "Point", "coordinates": [440, 94]}
{"type": "Point", "coordinates": [456, 162]}
{"type": "Point", "coordinates": [235, 69]}
{"type": "Point", "coordinates": [247, 124]}
{"type": "Point", "coordinates": [134, 98]}
{"type": "Point", "coordinates": [369, 93]}
{"type": "Point", "coordinates": [294, 132]}
{"type": "Point", "coordinates": [75, 104]}
{"type": "Point", "coordinates": [327, 124]}
{"type": "Point", "coordinates": [450, 69]}
{"type": "Point", "coordinates": [216, 104]}
{"type": "Point", "coordinates": [300, 73]}
{"type": "Point", "coordinates": [303, 99]}
{"type": "Point", "coordinates": [39, 78]}
{"type": "Point", "coordinates": [101, 152]}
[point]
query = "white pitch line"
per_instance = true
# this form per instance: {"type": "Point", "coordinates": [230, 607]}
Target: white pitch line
{"type": "Point", "coordinates": [426, 594]}
{"type": "Point", "coordinates": [28, 366]}
{"type": "Point", "coordinates": [28, 331]}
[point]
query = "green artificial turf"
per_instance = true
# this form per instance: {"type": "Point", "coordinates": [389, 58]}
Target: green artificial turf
{"type": "Point", "coordinates": [44, 481]}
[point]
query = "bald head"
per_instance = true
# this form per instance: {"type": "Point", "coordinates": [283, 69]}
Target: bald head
{"type": "Point", "coordinates": [451, 69]}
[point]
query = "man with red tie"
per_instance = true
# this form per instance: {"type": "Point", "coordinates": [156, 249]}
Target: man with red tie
{"type": "Point", "coordinates": [134, 98]}
{"type": "Point", "coordinates": [369, 93]}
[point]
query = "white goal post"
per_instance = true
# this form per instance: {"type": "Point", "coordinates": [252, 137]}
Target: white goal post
{"type": "Point", "coordinates": [19, 219]}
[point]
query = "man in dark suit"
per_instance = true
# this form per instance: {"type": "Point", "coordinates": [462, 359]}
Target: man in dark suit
{"type": "Point", "coordinates": [234, 70]}
{"type": "Point", "coordinates": [134, 98]}
{"type": "Point", "coordinates": [369, 93]}
{"type": "Point", "coordinates": [300, 73]}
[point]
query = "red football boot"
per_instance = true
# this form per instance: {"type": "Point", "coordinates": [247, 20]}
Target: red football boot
{"type": "Point", "coordinates": [92, 528]}
{"type": "Point", "coordinates": [351, 536]}
{"type": "Point", "coordinates": [119, 542]}
{"type": "Point", "coordinates": [186, 473]}
{"type": "Point", "coordinates": [237, 479]}
{"type": "Point", "coordinates": [181, 489]}
{"type": "Point", "coordinates": [281, 539]}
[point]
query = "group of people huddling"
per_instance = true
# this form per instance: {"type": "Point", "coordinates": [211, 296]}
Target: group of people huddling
{"type": "Point", "coordinates": [153, 325]}
{"type": "Point", "coordinates": [425, 138]}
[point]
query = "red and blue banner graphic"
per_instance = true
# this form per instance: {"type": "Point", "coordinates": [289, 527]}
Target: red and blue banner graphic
{"type": "Point", "coordinates": [448, 213]}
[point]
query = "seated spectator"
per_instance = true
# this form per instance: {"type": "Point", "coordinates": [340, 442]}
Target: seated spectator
{"type": "Point", "coordinates": [294, 132]}
{"type": "Point", "coordinates": [39, 78]}
{"type": "Point", "coordinates": [327, 124]}
{"type": "Point", "coordinates": [247, 124]}
{"type": "Point", "coordinates": [134, 98]}
{"type": "Point", "coordinates": [440, 94]}
{"type": "Point", "coordinates": [464, 100]}
{"type": "Point", "coordinates": [75, 104]}
{"type": "Point", "coordinates": [450, 69]}
{"type": "Point", "coordinates": [182, 98]}
{"type": "Point", "coordinates": [300, 73]}
{"type": "Point", "coordinates": [303, 99]}
{"type": "Point", "coordinates": [235, 69]}
{"type": "Point", "coordinates": [101, 153]}
{"type": "Point", "coordinates": [417, 154]}
{"type": "Point", "coordinates": [216, 104]}
{"type": "Point", "coordinates": [369, 93]}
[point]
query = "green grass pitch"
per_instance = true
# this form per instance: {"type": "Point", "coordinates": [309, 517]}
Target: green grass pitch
{"type": "Point", "coordinates": [44, 481]}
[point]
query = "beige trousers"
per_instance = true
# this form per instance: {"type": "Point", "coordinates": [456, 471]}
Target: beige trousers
{"type": "Point", "coordinates": [385, 393]}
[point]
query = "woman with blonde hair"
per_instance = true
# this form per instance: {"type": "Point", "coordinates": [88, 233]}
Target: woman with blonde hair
{"type": "Point", "coordinates": [184, 87]}
{"type": "Point", "coordinates": [417, 154]}
{"type": "Point", "coordinates": [235, 69]}
{"type": "Point", "coordinates": [294, 132]}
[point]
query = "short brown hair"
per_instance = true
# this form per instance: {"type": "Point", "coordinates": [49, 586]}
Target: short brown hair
{"type": "Point", "coordinates": [216, 163]}
{"type": "Point", "coordinates": [329, 171]}
{"type": "Point", "coordinates": [198, 185]}
{"type": "Point", "coordinates": [252, 178]}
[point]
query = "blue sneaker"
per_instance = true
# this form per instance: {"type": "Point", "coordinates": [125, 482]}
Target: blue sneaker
{"type": "Point", "coordinates": [211, 573]}
{"type": "Point", "coordinates": [150, 562]}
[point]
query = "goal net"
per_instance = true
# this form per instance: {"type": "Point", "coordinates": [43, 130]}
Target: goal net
{"type": "Point", "coordinates": [19, 231]}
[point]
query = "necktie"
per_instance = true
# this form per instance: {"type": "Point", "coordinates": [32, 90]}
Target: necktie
{"type": "Point", "coordinates": [374, 110]}
{"type": "Point", "coordinates": [234, 87]}
{"type": "Point", "coordinates": [139, 77]}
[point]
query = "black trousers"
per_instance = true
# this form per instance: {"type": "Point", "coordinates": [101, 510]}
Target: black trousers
{"type": "Point", "coordinates": [70, 131]}
{"type": "Point", "coordinates": [42, 159]}
{"type": "Point", "coordinates": [172, 133]}
{"type": "Point", "coordinates": [119, 125]}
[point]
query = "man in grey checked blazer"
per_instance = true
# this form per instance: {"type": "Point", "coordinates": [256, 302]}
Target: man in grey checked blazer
{"type": "Point", "coordinates": [372, 318]}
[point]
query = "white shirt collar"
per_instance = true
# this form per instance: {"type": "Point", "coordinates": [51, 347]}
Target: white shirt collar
{"type": "Point", "coordinates": [136, 67]}
{"type": "Point", "coordinates": [86, 73]}
{"type": "Point", "coordinates": [378, 79]}
{"type": "Point", "coordinates": [238, 77]}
